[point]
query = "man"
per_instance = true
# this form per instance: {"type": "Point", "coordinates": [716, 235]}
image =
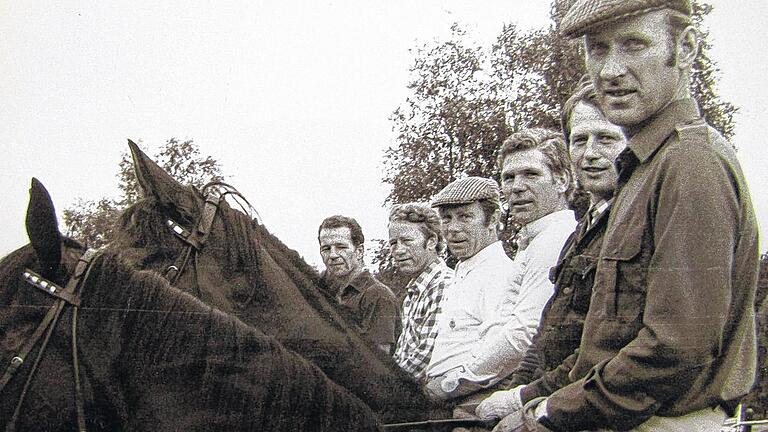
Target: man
{"type": "Point", "coordinates": [493, 307]}
{"type": "Point", "coordinates": [371, 304]}
{"type": "Point", "coordinates": [594, 144]}
{"type": "Point", "coordinates": [669, 339]}
{"type": "Point", "coordinates": [416, 242]}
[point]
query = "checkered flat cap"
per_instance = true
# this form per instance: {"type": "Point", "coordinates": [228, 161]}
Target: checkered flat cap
{"type": "Point", "coordinates": [467, 190]}
{"type": "Point", "coordinates": [585, 14]}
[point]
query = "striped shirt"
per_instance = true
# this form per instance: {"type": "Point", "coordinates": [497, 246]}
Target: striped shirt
{"type": "Point", "coordinates": [420, 307]}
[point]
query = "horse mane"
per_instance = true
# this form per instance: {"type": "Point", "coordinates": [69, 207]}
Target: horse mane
{"type": "Point", "coordinates": [250, 248]}
{"type": "Point", "coordinates": [157, 357]}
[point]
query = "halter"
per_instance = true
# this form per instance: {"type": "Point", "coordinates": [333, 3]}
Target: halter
{"type": "Point", "coordinates": [195, 240]}
{"type": "Point", "coordinates": [70, 294]}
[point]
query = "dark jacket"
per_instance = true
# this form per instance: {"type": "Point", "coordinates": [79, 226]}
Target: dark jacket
{"type": "Point", "coordinates": [671, 325]}
{"type": "Point", "coordinates": [552, 354]}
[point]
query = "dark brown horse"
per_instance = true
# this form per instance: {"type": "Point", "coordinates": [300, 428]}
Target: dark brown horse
{"type": "Point", "coordinates": [244, 270]}
{"type": "Point", "coordinates": [150, 357]}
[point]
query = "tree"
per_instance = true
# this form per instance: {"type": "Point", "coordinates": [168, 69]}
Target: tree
{"type": "Point", "coordinates": [451, 125]}
{"type": "Point", "coordinates": [467, 99]}
{"type": "Point", "coordinates": [91, 222]}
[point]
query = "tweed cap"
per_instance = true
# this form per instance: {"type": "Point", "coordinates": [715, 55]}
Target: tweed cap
{"type": "Point", "coordinates": [585, 14]}
{"type": "Point", "coordinates": [467, 190]}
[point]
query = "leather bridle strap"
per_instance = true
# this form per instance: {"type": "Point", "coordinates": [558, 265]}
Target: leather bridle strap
{"type": "Point", "coordinates": [68, 295]}
{"type": "Point", "coordinates": [195, 239]}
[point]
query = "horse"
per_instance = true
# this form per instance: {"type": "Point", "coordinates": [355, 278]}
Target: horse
{"type": "Point", "coordinates": [236, 265]}
{"type": "Point", "coordinates": [120, 349]}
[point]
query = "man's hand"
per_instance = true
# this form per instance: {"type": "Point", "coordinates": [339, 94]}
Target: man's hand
{"type": "Point", "coordinates": [532, 411]}
{"type": "Point", "coordinates": [441, 387]}
{"type": "Point", "coordinates": [500, 404]}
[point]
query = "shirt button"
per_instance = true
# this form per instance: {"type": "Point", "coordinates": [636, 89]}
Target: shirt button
{"type": "Point", "coordinates": [567, 290]}
{"type": "Point", "coordinates": [452, 324]}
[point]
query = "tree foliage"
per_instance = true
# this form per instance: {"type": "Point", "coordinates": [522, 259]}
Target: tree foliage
{"type": "Point", "coordinates": [466, 99]}
{"type": "Point", "coordinates": [92, 221]}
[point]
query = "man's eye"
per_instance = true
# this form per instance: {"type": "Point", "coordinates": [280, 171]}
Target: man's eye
{"type": "Point", "coordinates": [579, 142]}
{"type": "Point", "coordinates": [598, 49]}
{"type": "Point", "coordinates": [606, 139]}
{"type": "Point", "coordinates": [634, 44]}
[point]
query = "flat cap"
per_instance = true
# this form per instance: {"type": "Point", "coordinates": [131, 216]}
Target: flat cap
{"type": "Point", "coordinates": [585, 14]}
{"type": "Point", "coordinates": [467, 190]}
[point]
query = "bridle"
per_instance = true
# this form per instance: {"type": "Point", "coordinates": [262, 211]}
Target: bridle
{"type": "Point", "coordinates": [68, 295]}
{"type": "Point", "coordinates": [213, 193]}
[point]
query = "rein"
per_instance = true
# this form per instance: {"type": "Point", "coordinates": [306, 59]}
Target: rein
{"type": "Point", "coordinates": [70, 295]}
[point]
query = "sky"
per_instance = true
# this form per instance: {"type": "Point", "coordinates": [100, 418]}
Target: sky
{"type": "Point", "coordinates": [293, 98]}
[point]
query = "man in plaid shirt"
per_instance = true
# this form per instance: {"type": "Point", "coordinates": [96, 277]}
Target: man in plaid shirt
{"type": "Point", "coordinates": [416, 242]}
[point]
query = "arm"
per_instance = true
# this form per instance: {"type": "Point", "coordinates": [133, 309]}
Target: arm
{"type": "Point", "coordinates": [508, 341]}
{"type": "Point", "coordinates": [417, 359]}
{"type": "Point", "coordinates": [378, 315]}
{"type": "Point", "coordinates": [688, 290]}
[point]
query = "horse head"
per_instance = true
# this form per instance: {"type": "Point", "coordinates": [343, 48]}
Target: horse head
{"type": "Point", "coordinates": [242, 269]}
{"type": "Point", "coordinates": [94, 344]}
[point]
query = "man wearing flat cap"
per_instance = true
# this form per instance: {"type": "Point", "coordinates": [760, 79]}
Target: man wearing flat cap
{"type": "Point", "coordinates": [669, 338]}
{"type": "Point", "coordinates": [492, 309]}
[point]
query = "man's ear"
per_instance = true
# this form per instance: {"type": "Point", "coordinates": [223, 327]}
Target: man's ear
{"type": "Point", "coordinates": [431, 243]}
{"type": "Point", "coordinates": [687, 47]}
{"type": "Point", "coordinates": [562, 181]}
{"type": "Point", "coordinates": [495, 219]}
{"type": "Point", "coordinates": [360, 249]}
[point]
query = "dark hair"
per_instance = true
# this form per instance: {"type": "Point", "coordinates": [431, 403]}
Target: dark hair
{"type": "Point", "coordinates": [338, 221]}
{"type": "Point", "coordinates": [426, 217]}
{"type": "Point", "coordinates": [550, 143]}
{"type": "Point", "coordinates": [489, 207]}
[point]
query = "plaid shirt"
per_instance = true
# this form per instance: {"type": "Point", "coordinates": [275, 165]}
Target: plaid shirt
{"type": "Point", "coordinates": [420, 308]}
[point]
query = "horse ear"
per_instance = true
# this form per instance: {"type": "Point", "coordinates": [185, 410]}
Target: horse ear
{"type": "Point", "coordinates": [43, 228]}
{"type": "Point", "coordinates": [155, 182]}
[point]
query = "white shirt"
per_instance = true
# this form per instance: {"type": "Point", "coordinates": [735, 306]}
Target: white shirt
{"type": "Point", "coordinates": [492, 309]}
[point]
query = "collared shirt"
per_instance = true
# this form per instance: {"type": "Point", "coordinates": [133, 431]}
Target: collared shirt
{"type": "Point", "coordinates": [493, 307]}
{"type": "Point", "coordinates": [421, 305]}
{"type": "Point", "coordinates": [552, 354]}
{"type": "Point", "coordinates": [373, 307]}
{"type": "Point", "coordinates": [671, 324]}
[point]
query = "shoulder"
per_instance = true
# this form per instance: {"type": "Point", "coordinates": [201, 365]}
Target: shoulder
{"type": "Point", "coordinates": [377, 290]}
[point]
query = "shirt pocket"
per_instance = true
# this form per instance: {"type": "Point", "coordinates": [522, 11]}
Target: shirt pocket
{"type": "Point", "coordinates": [622, 273]}
{"type": "Point", "coordinates": [582, 279]}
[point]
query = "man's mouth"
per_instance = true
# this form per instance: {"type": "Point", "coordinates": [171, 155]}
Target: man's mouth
{"type": "Point", "coordinates": [521, 203]}
{"type": "Point", "coordinates": [617, 95]}
{"type": "Point", "coordinates": [593, 169]}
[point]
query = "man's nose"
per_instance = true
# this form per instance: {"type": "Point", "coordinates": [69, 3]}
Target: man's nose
{"type": "Point", "coordinates": [591, 149]}
{"type": "Point", "coordinates": [614, 66]}
{"type": "Point", "coordinates": [397, 249]}
{"type": "Point", "coordinates": [518, 185]}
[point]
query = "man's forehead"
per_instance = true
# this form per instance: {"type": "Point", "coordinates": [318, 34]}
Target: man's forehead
{"type": "Point", "coordinates": [523, 159]}
{"type": "Point", "coordinates": [335, 235]}
{"type": "Point", "coordinates": [650, 23]}
{"type": "Point", "coordinates": [459, 208]}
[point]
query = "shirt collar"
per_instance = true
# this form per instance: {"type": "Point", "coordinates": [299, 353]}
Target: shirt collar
{"type": "Point", "coordinates": [648, 140]}
{"type": "Point", "coordinates": [529, 231]}
{"type": "Point", "coordinates": [475, 260]}
{"type": "Point", "coordinates": [421, 282]}
{"type": "Point", "coordinates": [599, 207]}
{"type": "Point", "coordinates": [361, 281]}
